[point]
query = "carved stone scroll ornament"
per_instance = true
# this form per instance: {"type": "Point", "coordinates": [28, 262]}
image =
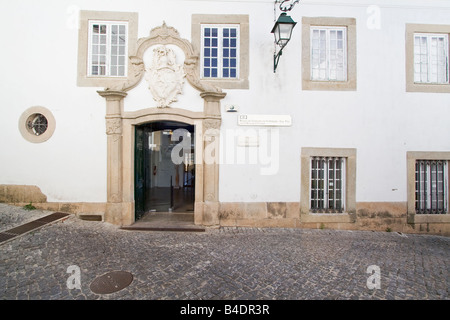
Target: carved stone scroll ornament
{"type": "Point", "coordinates": [113, 126]}
{"type": "Point", "coordinates": [211, 125]}
{"type": "Point", "coordinates": [137, 68]}
{"type": "Point", "coordinates": [165, 77]}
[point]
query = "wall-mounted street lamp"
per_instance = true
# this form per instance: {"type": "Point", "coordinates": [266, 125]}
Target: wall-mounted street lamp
{"type": "Point", "coordinates": [282, 29]}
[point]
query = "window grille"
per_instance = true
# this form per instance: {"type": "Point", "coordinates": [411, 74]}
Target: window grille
{"type": "Point", "coordinates": [327, 184]}
{"type": "Point", "coordinates": [329, 53]}
{"type": "Point", "coordinates": [431, 186]}
{"type": "Point", "coordinates": [37, 124]}
{"type": "Point", "coordinates": [431, 58]}
{"type": "Point", "coordinates": [108, 49]}
{"type": "Point", "coordinates": [220, 52]}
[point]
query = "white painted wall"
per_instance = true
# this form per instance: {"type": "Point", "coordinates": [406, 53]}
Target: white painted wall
{"type": "Point", "coordinates": [380, 119]}
{"type": "Point", "coordinates": [39, 68]}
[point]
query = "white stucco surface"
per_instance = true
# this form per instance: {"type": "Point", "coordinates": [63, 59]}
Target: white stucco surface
{"type": "Point", "coordinates": [380, 119]}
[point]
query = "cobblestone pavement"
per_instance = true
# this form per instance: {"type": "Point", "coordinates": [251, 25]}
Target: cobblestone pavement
{"type": "Point", "coordinates": [226, 263]}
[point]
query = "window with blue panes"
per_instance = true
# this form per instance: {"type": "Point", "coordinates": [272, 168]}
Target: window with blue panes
{"type": "Point", "coordinates": [220, 52]}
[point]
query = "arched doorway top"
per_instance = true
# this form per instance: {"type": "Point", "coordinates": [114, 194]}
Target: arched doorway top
{"type": "Point", "coordinates": [165, 35]}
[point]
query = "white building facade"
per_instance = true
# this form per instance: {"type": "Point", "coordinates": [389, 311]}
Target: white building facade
{"type": "Point", "coordinates": [112, 109]}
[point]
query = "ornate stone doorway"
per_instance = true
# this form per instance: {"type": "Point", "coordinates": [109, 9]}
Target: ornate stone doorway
{"type": "Point", "coordinates": [121, 126]}
{"type": "Point", "coordinates": [206, 131]}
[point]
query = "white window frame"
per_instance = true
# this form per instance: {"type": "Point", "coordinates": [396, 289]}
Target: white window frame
{"type": "Point", "coordinates": [326, 180]}
{"type": "Point", "coordinates": [429, 56]}
{"type": "Point", "coordinates": [220, 51]}
{"type": "Point", "coordinates": [109, 24]}
{"type": "Point", "coordinates": [327, 29]}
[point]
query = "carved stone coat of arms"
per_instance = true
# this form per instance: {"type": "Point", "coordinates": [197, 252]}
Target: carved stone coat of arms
{"type": "Point", "coordinates": [165, 78]}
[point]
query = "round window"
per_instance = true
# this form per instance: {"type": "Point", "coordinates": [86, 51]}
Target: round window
{"type": "Point", "coordinates": [37, 124]}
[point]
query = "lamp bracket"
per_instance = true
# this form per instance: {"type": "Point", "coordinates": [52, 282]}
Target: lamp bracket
{"type": "Point", "coordinates": [276, 58]}
{"type": "Point", "coordinates": [287, 5]}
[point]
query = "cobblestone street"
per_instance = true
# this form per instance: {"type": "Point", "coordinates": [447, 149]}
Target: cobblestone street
{"type": "Point", "coordinates": [226, 263]}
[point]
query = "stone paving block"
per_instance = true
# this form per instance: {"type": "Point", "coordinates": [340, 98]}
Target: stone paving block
{"type": "Point", "coordinates": [225, 263]}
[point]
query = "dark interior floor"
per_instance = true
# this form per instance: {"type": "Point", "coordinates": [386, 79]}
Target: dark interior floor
{"type": "Point", "coordinates": [161, 199]}
{"type": "Point", "coordinates": [159, 217]}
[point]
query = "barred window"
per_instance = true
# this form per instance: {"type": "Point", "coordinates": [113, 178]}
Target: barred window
{"type": "Point", "coordinates": [431, 186]}
{"type": "Point", "coordinates": [329, 53]}
{"type": "Point", "coordinates": [328, 184]}
{"type": "Point", "coordinates": [431, 58]}
{"type": "Point", "coordinates": [107, 49]}
{"type": "Point", "coordinates": [220, 51]}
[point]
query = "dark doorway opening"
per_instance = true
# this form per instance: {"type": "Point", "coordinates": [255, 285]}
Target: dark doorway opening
{"type": "Point", "coordinates": [164, 172]}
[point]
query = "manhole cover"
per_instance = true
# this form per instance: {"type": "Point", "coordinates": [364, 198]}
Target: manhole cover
{"type": "Point", "coordinates": [111, 282]}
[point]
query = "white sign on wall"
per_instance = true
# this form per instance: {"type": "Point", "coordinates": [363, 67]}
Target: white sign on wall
{"type": "Point", "coordinates": [264, 120]}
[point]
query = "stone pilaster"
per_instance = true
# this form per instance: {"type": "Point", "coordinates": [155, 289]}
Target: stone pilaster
{"type": "Point", "coordinates": [114, 111]}
{"type": "Point", "coordinates": [212, 103]}
{"type": "Point", "coordinates": [211, 157]}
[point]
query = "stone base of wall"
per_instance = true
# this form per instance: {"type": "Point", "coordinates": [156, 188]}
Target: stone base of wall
{"type": "Point", "coordinates": [84, 210]}
{"type": "Point", "coordinates": [382, 216]}
{"type": "Point", "coordinates": [21, 195]}
{"type": "Point", "coordinates": [370, 216]}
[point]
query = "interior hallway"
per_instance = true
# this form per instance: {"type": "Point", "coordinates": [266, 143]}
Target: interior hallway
{"type": "Point", "coordinates": [159, 217]}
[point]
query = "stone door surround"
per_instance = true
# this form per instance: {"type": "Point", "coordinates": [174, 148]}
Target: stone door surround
{"type": "Point", "coordinates": [120, 126]}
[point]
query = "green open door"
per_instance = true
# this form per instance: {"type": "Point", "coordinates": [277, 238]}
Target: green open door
{"type": "Point", "coordinates": [139, 175]}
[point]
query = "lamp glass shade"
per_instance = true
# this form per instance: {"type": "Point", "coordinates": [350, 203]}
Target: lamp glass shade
{"type": "Point", "coordinates": [282, 29]}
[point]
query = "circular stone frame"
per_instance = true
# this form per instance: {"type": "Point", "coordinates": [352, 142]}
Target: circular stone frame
{"type": "Point", "coordinates": [27, 134]}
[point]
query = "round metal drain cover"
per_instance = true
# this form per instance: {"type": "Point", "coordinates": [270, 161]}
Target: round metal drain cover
{"type": "Point", "coordinates": [111, 282]}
